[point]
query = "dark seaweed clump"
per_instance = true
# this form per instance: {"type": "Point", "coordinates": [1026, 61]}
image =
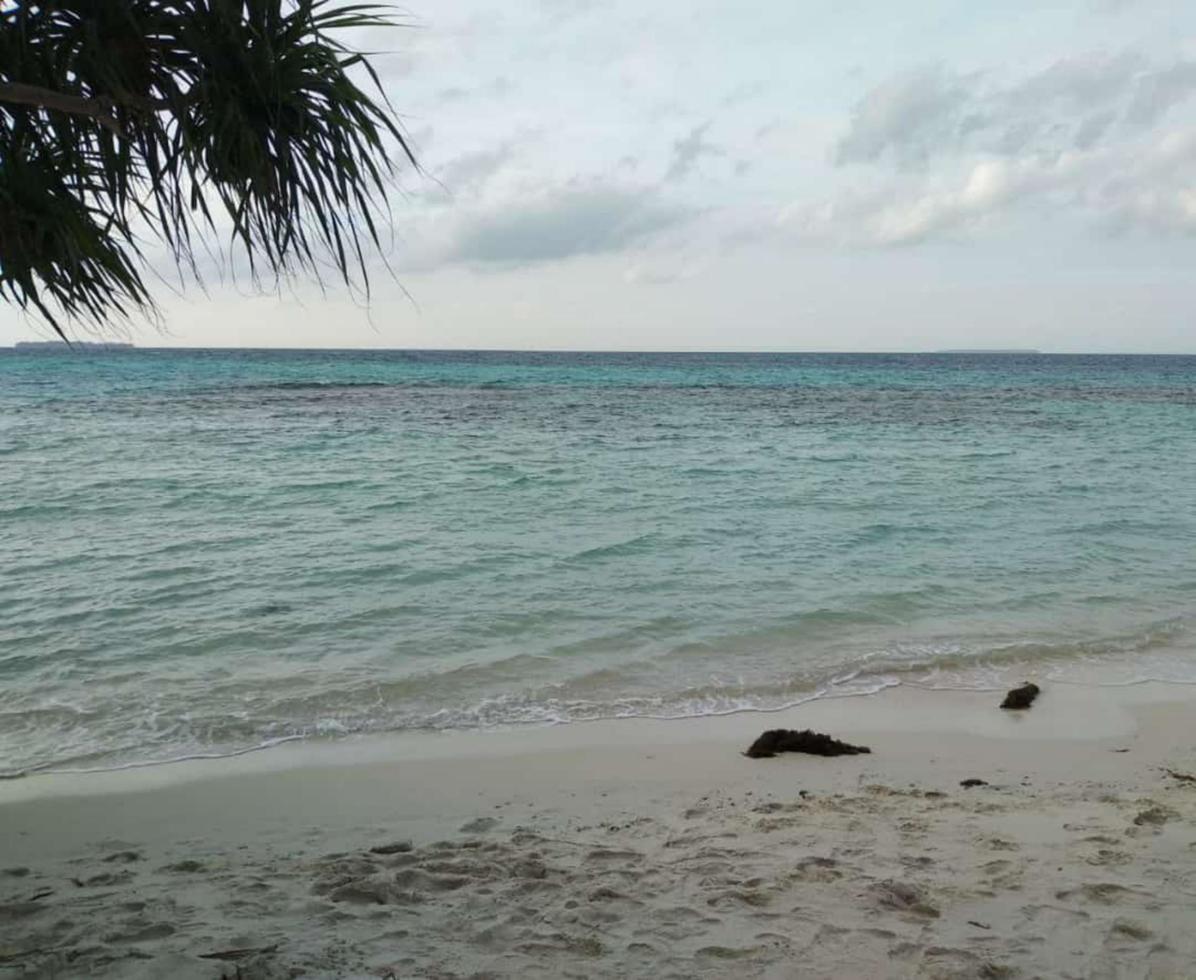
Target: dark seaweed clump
{"type": "Point", "coordinates": [812, 743]}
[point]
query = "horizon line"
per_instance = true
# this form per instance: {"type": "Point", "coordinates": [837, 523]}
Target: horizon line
{"type": "Point", "coordinates": [991, 351]}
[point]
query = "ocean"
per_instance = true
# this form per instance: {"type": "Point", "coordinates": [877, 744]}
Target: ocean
{"type": "Point", "coordinates": [207, 552]}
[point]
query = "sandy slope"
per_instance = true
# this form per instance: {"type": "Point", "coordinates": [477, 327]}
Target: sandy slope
{"type": "Point", "coordinates": [634, 850]}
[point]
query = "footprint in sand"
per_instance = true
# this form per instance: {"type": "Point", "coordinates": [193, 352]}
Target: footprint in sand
{"type": "Point", "coordinates": [1107, 857]}
{"type": "Point", "coordinates": [1047, 918]}
{"type": "Point", "coordinates": [19, 910]}
{"type": "Point", "coordinates": [605, 854]}
{"type": "Point", "coordinates": [816, 869]}
{"type": "Point", "coordinates": [941, 961]}
{"type": "Point", "coordinates": [1126, 931]}
{"type": "Point", "coordinates": [1154, 816]}
{"type": "Point", "coordinates": [105, 880]}
{"type": "Point", "coordinates": [900, 896]}
{"type": "Point", "coordinates": [123, 857]}
{"type": "Point", "coordinates": [1103, 893]}
{"type": "Point", "coordinates": [736, 897]}
{"type": "Point", "coordinates": [184, 867]}
{"type": "Point", "coordinates": [140, 932]}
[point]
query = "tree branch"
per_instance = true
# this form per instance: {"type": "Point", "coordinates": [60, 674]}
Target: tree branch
{"type": "Point", "coordinates": [17, 93]}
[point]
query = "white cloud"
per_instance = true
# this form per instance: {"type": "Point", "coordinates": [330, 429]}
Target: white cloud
{"type": "Point", "coordinates": [1157, 192]}
{"type": "Point", "coordinates": [657, 272]}
{"type": "Point", "coordinates": [937, 153]}
{"type": "Point", "coordinates": [1145, 186]}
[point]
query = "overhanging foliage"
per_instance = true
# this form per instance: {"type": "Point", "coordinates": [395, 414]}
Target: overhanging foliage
{"type": "Point", "coordinates": [176, 118]}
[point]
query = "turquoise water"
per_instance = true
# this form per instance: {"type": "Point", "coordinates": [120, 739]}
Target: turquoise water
{"type": "Point", "coordinates": [205, 552]}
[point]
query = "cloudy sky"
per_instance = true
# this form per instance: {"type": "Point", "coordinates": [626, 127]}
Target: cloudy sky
{"type": "Point", "coordinates": [779, 174]}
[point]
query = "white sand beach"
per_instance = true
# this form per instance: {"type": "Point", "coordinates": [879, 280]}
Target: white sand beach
{"type": "Point", "coordinates": [634, 849]}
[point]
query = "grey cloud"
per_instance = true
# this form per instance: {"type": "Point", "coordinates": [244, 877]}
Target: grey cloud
{"type": "Point", "coordinates": [907, 117]}
{"type": "Point", "coordinates": [1087, 80]}
{"type": "Point", "coordinates": [565, 223]}
{"type": "Point", "coordinates": [394, 65]}
{"type": "Point", "coordinates": [1157, 92]}
{"type": "Point", "coordinates": [561, 10]}
{"type": "Point", "coordinates": [1075, 103]}
{"type": "Point", "coordinates": [743, 93]}
{"type": "Point", "coordinates": [495, 88]}
{"type": "Point", "coordinates": [1092, 129]}
{"type": "Point", "coordinates": [421, 137]}
{"type": "Point", "coordinates": [688, 150]}
{"type": "Point", "coordinates": [471, 171]}
{"type": "Point", "coordinates": [646, 274]}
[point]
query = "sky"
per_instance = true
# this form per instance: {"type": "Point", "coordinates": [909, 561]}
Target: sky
{"type": "Point", "coordinates": [777, 174]}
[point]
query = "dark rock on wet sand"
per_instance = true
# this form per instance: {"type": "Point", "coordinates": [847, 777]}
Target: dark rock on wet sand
{"type": "Point", "coordinates": [812, 743]}
{"type": "Point", "coordinates": [1020, 697]}
{"type": "Point", "coordinates": [397, 847]}
{"type": "Point", "coordinates": [969, 783]}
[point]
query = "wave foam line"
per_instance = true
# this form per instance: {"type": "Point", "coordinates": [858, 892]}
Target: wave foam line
{"type": "Point", "coordinates": [50, 770]}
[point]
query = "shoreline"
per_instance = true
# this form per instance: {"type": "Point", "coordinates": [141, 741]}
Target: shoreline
{"type": "Point", "coordinates": [1070, 710]}
{"type": "Point", "coordinates": [697, 855]}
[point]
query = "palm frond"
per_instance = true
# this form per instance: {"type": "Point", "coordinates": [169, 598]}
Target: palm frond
{"type": "Point", "coordinates": [188, 118]}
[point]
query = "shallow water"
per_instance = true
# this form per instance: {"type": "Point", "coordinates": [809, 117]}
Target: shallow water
{"type": "Point", "coordinates": [207, 551]}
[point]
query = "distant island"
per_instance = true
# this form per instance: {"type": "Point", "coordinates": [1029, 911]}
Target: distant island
{"type": "Point", "coordinates": [987, 350]}
{"type": "Point", "coordinates": [56, 345]}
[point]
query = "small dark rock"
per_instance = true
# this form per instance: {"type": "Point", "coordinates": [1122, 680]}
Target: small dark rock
{"type": "Point", "coordinates": [1020, 698]}
{"type": "Point", "coordinates": [969, 783]}
{"type": "Point", "coordinates": [812, 743]}
{"type": "Point", "coordinates": [398, 847]}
